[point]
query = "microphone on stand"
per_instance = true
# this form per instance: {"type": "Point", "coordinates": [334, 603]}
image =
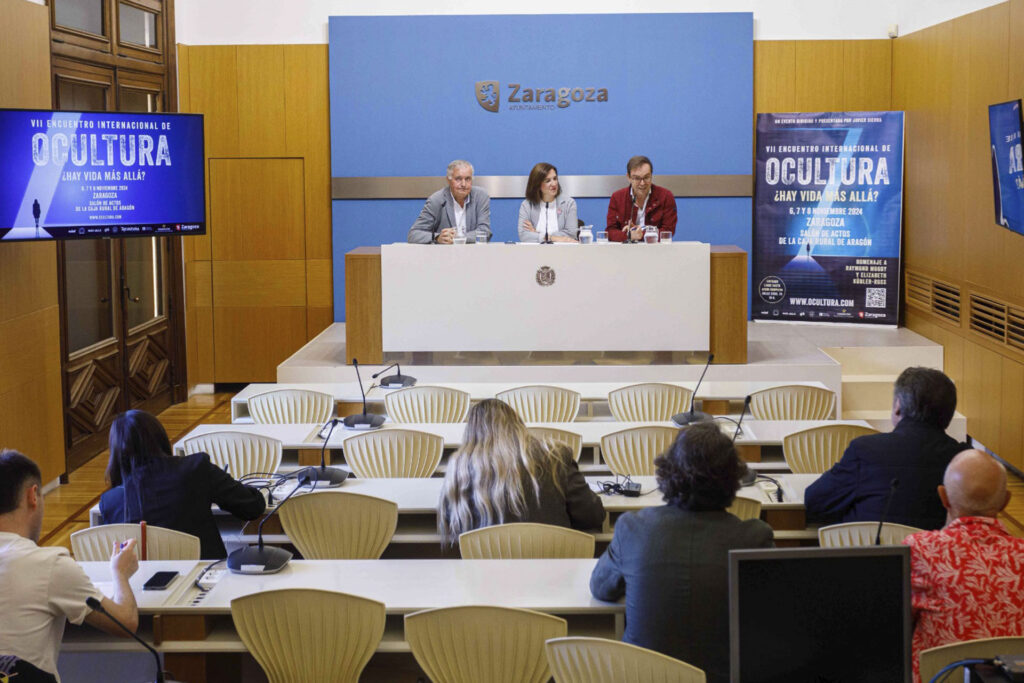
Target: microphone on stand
{"type": "Point", "coordinates": [739, 423]}
{"type": "Point", "coordinates": [547, 229]}
{"type": "Point", "coordinates": [330, 476]}
{"type": "Point", "coordinates": [394, 381]}
{"type": "Point", "coordinates": [683, 419]}
{"type": "Point", "coordinates": [885, 511]}
{"type": "Point", "coordinates": [364, 420]}
{"type": "Point", "coordinates": [260, 559]}
{"type": "Point", "coordinates": [97, 606]}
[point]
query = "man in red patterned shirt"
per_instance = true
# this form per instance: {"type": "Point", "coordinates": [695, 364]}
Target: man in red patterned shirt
{"type": "Point", "coordinates": [968, 577]}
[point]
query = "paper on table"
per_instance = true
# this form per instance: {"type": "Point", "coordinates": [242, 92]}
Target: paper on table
{"type": "Point", "coordinates": [105, 587]}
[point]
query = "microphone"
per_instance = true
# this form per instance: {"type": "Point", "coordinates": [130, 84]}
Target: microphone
{"type": "Point", "coordinates": [364, 420]}
{"type": "Point", "coordinates": [260, 559]}
{"type": "Point", "coordinates": [683, 419]}
{"type": "Point", "coordinates": [547, 238]}
{"type": "Point", "coordinates": [398, 380]}
{"type": "Point", "coordinates": [97, 606]}
{"type": "Point", "coordinates": [330, 476]}
{"type": "Point", "coordinates": [885, 511]}
{"type": "Point", "coordinates": [746, 406]}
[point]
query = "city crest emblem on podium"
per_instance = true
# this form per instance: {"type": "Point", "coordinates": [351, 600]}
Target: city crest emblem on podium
{"type": "Point", "coordinates": [545, 276]}
{"type": "Point", "coordinates": [488, 95]}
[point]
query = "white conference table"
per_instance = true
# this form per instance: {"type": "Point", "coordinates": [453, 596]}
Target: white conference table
{"type": "Point", "coordinates": [587, 297]}
{"type": "Point", "coordinates": [200, 624]}
{"type": "Point", "coordinates": [590, 392]}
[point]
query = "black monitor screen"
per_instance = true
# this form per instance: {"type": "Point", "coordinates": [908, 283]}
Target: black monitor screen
{"type": "Point", "coordinates": [820, 615]}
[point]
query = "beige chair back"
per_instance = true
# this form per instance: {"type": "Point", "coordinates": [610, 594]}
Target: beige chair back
{"type": "Point", "coordinates": [291, 406]}
{"type": "Point", "coordinates": [482, 644]}
{"type": "Point", "coordinates": [301, 635]}
{"type": "Point", "coordinates": [554, 435]}
{"type": "Point", "coordinates": [793, 402]}
{"type": "Point", "coordinates": [390, 453]}
{"type": "Point", "coordinates": [649, 402]}
{"type": "Point", "coordinates": [597, 660]}
{"type": "Point", "coordinates": [525, 541]}
{"type": "Point", "coordinates": [632, 451]}
{"type": "Point", "coordinates": [934, 659]}
{"type": "Point", "coordinates": [336, 525]}
{"type": "Point", "coordinates": [862, 533]}
{"type": "Point", "coordinates": [96, 543]}
{"type": "Point", "coordinates": [427, 404]}
{"type": "Point", "coordinates": [745, 508]}
{"type": "Point", "coordinates": [815, 450]}
{"type": "Point", "coordinates": [242, 453]}
{"type": "Point", "coordinates": [539, 403]}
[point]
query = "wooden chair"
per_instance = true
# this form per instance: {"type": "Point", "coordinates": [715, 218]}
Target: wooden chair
{"type": "Point", "coordinates": [572, 440]}
{"type": "Point", "coordinates": [934, 659]}
{"type": "Point", "coordinates": [541, 403]}
{"type": "Point", "coordinates": [598, 660]}
{"type": "Point", "coordinates": [649, 402]}
{"type": "Point", "coordinates": [477, 644]}
{"type": "Point", "coordinates": [815, 450]}
{"type": "Point", "coordinates": [242, 454]}
{"type": "Point", "coordinates": [301, 635]}
{"type": "Point", "coordinates": [745, 508]}
{"type": "Point", "coordinates": [862, 533]}
{"type": "Point", "coordinates": [389, 453]}
{"type": "Point", "coordinates": [427, 404]}
{"type": "Point", "coordinates": [525, 541]}
{"type": "Point", "coordinates": [793, 402]}
{"type": "Point", "coordinates": [291, 406]}
{"type": "Point", "coordinates": [95, 543]}
{"type": "Point", "coordinates": [334, 525]}
{"type": "Point", "coordinates": [632, 451]}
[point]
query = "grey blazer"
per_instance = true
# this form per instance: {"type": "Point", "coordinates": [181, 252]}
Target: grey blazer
{"type": "Point", "coordinates": [439, 213]}
{"type": "Point", "coordinates": [673, 567]}
{"type": "Point", "coordinates": [568, 225]}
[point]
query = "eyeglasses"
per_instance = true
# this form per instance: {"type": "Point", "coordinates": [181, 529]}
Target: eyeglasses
{"type": "Point", "coordinates": [639, 179]}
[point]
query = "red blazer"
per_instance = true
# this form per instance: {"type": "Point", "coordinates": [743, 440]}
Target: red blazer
{"type": "Point", "coordinates": [661, 211]}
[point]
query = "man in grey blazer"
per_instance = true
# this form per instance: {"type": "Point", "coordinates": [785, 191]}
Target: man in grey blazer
{"type": "Point", "coordinates": [672, 562]}
{"type": "Point", "coordinates": [459, 209]}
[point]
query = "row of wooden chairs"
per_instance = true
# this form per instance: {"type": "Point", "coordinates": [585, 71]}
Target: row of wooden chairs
{"type": "Point", "coordinates": [393, 453]}
{"type": "Point", "coordinates": [317, 635]}
{"type": "Point", "coordinates": [647, 402]}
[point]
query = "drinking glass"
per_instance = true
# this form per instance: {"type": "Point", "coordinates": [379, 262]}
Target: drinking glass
{"type": "Point", "coordinates": [481, 238]}
{"type": "Point", "coordinates": [459, 239]}
{"type": "Point", "coordinates": [666, 237]}
{"type": "Point", "coordinates": [602, 237]}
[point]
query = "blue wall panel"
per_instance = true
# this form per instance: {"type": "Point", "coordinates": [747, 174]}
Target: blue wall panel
{"type": "Point", "coordinates": [403, 103]}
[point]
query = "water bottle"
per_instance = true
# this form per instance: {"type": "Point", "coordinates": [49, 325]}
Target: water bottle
{"type": "Point", "coordinates": [587, 234]}
{"type": "Point", "coordinates": [651, 234]}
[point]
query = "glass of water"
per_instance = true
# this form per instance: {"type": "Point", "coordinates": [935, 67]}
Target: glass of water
{"type": "Point", "coordinates": [666, 237]}
{"type": "Point", "coordinates": [481, 238]}
{"type": "Point", "coordinates": [459, 238]}
{"type": "Point", "coordinates": [602, 237]}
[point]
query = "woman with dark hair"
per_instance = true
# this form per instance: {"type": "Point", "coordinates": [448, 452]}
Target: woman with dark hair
{"type": "Point", "coordinates": [544, 212]}
{"type": "Point", "coordinates": [148, 483]}
{"type": "Point", "coordinates": [503, 474]}
{"type": "Point", "coordinates": [672, 562]}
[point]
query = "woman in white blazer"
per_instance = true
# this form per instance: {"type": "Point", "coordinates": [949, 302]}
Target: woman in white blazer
{"type": "Point", "coordinates": [544, 214]}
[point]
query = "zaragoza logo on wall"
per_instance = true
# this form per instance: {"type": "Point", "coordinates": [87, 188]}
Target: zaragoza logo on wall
{"type": "Point", "coordinates": [520, 98]}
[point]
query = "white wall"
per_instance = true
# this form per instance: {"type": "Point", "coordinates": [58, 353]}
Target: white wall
{"type": "Point", "coordinates": [244, 22]}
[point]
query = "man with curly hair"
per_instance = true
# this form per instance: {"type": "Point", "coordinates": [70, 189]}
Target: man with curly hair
{"type": "Point", "coordinates": [672, 562]}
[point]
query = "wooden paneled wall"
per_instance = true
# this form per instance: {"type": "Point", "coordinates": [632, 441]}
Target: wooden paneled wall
{"type": "Point", "coordinates": [258, 285]}
{"type": "Point", "coordinates": [31, 418]}
{"type": "Point", "coordinates": [945, 77]}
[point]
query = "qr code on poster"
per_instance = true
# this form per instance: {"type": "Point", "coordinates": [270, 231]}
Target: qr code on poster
{"type": "Point", "coordinates": [875, 297]}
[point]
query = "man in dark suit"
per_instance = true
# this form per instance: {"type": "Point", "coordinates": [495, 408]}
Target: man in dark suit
{"type": "Point", "coordinates": [915, 453]}
{"type": "Point", "coordinates": [672, 562]}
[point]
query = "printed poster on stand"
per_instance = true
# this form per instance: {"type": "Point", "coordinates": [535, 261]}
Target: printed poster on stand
{"type": "Point", "coordinates": [828, 203]}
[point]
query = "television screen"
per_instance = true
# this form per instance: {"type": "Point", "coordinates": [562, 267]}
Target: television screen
{"type": "Point", "coordinates": [807, 615]}
{"type": "Point", "coordinates": [76, 175]}
{"type": "Point", "coordinates": [1004, 128]}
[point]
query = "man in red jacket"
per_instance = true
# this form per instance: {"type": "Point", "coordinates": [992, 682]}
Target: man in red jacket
{"type": "Point", "coordinates": [642, 203]}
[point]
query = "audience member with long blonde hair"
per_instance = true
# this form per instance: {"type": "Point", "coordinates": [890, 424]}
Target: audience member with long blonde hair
{"type": "Point", "coordinates": [503, 474]}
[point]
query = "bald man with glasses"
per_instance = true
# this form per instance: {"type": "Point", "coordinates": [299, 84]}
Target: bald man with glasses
{"type": "Point", "coordinates": [642, 203]}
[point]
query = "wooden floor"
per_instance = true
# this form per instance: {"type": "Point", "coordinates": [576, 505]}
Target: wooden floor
{"type": "Point", "coordinates": [67, 507]}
